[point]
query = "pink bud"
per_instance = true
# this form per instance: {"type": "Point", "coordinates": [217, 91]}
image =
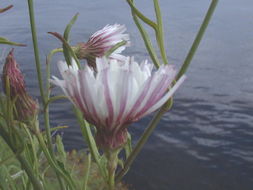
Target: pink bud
{"type": "Point", "coordinates": [26, 107]}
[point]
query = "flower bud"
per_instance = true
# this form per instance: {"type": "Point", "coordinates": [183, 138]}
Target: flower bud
{"type": "Point", "coordinates": [102, 41]}
{"type": "Point", "coordinates": [26, 107]}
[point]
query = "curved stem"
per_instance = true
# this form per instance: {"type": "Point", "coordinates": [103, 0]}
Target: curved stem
{"type": "Point", "coordinates": [139, 145]}
{"type": "Point", "coordinates": [46, 98]}
{"type": "Point", "coordinates": [198, 39]}
{"type": "Point", "coordinates": [160, 113]}
{"type": "Point", "coordinates": [48, 69]}
{"type": "Point", "coordinates": [141, 16]}
{"type": "Point", "coordinates": [146, 40]}
{"type": "Point", "coordinates": [35, 47]}
{"type": "Point", "coordinates": [159, 31]}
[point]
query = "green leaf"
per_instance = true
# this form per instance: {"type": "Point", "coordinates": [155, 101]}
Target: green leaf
{"type": "Point", "coordinates": [69, 26]}
{"type": "Point", "coordinates": [6, 41]}
{"type": "Point", "coordinates": [66, 37]}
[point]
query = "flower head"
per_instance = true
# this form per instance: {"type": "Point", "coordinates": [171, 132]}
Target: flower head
{"type": "Point", "coordinates": [100, 42]}
{"type": "Point", "coordinates": [26, 107]}
{"type": "Point", "coordinates": [117, 94]}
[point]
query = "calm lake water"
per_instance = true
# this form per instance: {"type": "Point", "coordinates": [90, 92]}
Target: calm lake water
{"type": "Point", "coordinates": [206, 141]}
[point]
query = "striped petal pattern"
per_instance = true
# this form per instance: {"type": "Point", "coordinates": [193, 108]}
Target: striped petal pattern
{"type": "Point", "coordinates": [101, 41]}
{"type": "Point", "coordinates": [117, 94]}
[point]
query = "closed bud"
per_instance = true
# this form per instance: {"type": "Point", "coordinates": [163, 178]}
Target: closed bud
{"type": "Point", "coordinates": [26, 107]}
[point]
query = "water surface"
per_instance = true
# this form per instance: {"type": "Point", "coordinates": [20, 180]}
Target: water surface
{"type": "Point", "coordinates": [206, 141]}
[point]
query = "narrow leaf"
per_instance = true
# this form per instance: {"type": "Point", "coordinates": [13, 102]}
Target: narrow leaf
{"type": "Point", "coordinates": [6, 41]}
{"type": "Point", "coordinates": [66, 53]}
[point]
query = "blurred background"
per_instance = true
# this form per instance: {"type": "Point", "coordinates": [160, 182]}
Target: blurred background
{"type": "Point", "coordinates": [206, 140]}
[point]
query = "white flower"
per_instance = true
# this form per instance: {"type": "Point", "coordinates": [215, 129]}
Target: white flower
{"type": "Point", "coordinates": [117, 94]}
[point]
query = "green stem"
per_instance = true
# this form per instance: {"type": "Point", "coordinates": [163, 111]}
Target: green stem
{"type": "Point", "coordinates": [48, 69]}
{"type": "Point", "coordinates": [160, 113]}
{"type": "Point", "coordinates": [146, 40]}
{"type": "Point", "coordinates": [159, 31]}
{"type": "Point", "coordinates": [140, 145]}
{"type": "Point", "coordinates": [112, 160]}
{"type": "Point", "coordinates": [86, 132]}
{"type": "Point", "coordinates": [141, 16]}
{"type": "Point", "coordinates": [198, 38]}
{"type": "Point", "coordinates": [46, 109]}
{"type": "Point", "coordinates": [44, 97]}
{"type": "Point", "coordinates": [35, 47]}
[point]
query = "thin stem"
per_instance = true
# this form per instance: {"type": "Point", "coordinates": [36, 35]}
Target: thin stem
{"type": "Point", "coordinates": [141, 16]}
{"type": "Point", "coordinates": [198, 39]}
{"type": "Point", "coordinates": [48, 69]}
{"type": "Point", "coordinates": [35, 47]}
{"type": "Point", "coordinates": [46, 109]}
{"type": "Point", "coordinates": [139, 145]}
{"type": "Point", "coordinates": [159, 31]}
{"type": "Point", "coordinates": [86, 132]}
{"type": "Point", "coordinates": [43, 96]}
{"type": "Point", "coordinates": [112, 160]}
{"type": "Point", "coordinates": [146, 40]}
{"type": "Point", "coordinates": [160, 113]}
